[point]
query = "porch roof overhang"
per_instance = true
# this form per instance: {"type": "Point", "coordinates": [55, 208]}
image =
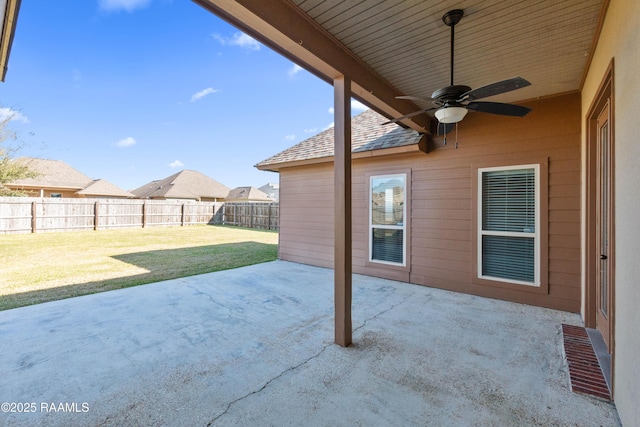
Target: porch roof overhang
{"type": "Point", "coordinates": [9, 12]}
{"type": "Point", "coordinates": [376, 50]}
{"type": "Point", "coordinates": [389, 48]}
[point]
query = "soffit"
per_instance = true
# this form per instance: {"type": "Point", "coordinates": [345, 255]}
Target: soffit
{"type": "Point", "coordinates": [404, 45]}
{"type": "Point", "coordinates": [8, 16]}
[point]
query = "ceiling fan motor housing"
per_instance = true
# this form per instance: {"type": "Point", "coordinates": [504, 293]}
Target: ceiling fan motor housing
{"type": "Point", "coordinates": [450, 93]}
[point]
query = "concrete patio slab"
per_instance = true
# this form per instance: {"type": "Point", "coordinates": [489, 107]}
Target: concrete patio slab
{"type": "Point", "coordinates": [254, 347]}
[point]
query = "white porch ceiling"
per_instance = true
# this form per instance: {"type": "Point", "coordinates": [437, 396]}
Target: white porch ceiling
{"type": "Point", "coordinates": [404, 45]}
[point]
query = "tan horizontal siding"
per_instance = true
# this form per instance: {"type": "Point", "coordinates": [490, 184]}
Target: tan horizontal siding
{"type": "Point", "coordinates": [564, 266]}
{"type": "Point", "coordinates": [567, 254]}
{"type": "Point", "coordinates": [448, 214]}
{"type": "Point", "coordinates": [463, 245]}
{"type": "Point", "coordinates": [316, 246]}
{"type": "Point", "coordinates": [435, 203]}
{"type": "Point", "coordinates": [426, 264]}
{"type": "Point", "coordinates": [564, 178]}
{"type": "Point", "coordinates": [564, 229]}
{"type": "Point", "coordinates": [442, 193]}
{"type": "Point", "coordinates": [563, 203]}
{"type": "Point", "coordinates": [441, 212]}
{"type": "Point", "coordinates": [570, 216]}
{"type": "Point", "coordinates": [557, 241]}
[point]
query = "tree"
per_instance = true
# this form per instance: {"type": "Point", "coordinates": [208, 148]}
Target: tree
{"type": "Point", "coordinates": [11, 169]}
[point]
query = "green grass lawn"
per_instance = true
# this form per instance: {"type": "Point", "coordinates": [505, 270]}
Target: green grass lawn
{"type": "Point", "coordinates": [44, 267]}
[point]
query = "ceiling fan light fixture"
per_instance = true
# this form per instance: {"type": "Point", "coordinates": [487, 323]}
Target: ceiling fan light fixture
{"type": "Point", "coordinates": [452, 114]}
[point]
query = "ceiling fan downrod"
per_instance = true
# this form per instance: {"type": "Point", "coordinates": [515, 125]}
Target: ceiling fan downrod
{"type": "Point", "coordinates": [450, 19]}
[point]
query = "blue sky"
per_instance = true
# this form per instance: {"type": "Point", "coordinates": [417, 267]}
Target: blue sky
{"type": "Point", "coordinates": [136, 90]}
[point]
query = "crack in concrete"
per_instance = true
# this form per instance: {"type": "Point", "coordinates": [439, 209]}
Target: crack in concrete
{"type": "Point", "coordinates": [304, 362]}
{"type": "Point", "coordinates": [265, 385]}
{"type": "Point", "coordinates": [405, 299]}
{"type": "Point", "coordinates": [212, 299]}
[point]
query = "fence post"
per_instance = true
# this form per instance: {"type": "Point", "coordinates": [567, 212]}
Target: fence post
{"type": "Point", "coordinates": [182, 215]}
{"type": "Point", "coordinates": [34, 211]}
{"type": "Point", "coordinates": [144, 213]}
{"type": "Point", "coordinates": [269, 217]}
{"type": "Point", "coordinates": [95, 216]}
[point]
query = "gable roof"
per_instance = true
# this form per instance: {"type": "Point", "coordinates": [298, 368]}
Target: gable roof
{"type": "Point", "coordinates": [186, 184]}
{"type": "Point", "coordinates": [248, 194]}
{"type": "Point", "coordinates": [56, 174]}
{"type": "Point", "coordinates": [367, 133]}
{"type": "Point", "coordinates": [103, 188]}
{"type": "Point", "coordinates": [52, 174]}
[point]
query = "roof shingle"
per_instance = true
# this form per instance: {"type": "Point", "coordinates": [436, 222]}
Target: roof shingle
{"type": "Point", "coordinates": [367, 133]}
{"type": "Point", "coordinates": [52, 173]}
{"type": "Point", "coordinates": [186, 184]}
{"type": "Point", "coordinates": [56, 174]}
{"type": "Point", "coordinates": [248, 194]}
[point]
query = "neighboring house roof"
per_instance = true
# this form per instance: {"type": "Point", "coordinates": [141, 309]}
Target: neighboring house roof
{"type": "Point", "coordinates": [272, 190]}
{"type": "Point", "coordinates": [57, 175]}
{"type": "Point", "coordinates": [10, 9]}
{"type": "Point", "coordinates": [186, 184]}
{"type": "Point", "coordinates": [248, 194]}
{"type": "Point", "coordinates": [103, 188]}
{"type": "Point", "coordinates": [367, 133]}
{"type": "Point", "coordinates": [52, 174]}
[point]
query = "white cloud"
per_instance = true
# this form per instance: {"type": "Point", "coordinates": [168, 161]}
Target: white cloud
{"type": "Point", "coordinates": [290, 137]}
{"type": "Point", "coordinates": [358, 106]}
{"type": "Point", "coordinates": [176, 164]}
{"type": "Point", "coordinates": [7, 114]}
{"type": "Point", "coordinates": [355, 106]}
{"type": "Point", "coordinates": [128, 5]}
{"type": "Point", "coordinates": [238, 39]}
{"type": "Point", "coordinates": [294, 70]}
{"type": "Point", "coordinates": [126, 142]}
{"type": "Point", "coordinates": [311, 130]}
{"type": "Point", "coordinates": [329, 126]}
{"type": "Point", "coordinates": [204, 92]}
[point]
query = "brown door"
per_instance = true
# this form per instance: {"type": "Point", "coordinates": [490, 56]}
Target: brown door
{"type": "Point", "coordinates": [603, 226]}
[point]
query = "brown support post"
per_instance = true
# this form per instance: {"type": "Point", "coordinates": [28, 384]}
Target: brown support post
{"type": "Point", "coordinates": [34, 211]}
{"type": "Point", "coordinates": [182, 215]}
{"type": "Point", "coordinates": [96, 217]}
{"type": "Point", "coordinates": [342, 210]}
{"type": "Point", "coordinates": [144, 213]}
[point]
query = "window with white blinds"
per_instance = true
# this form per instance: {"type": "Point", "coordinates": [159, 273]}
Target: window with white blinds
{"type": "Point", "coordinates": [387, 230]}
{"type": "Point", "coordinates": [509, 224]}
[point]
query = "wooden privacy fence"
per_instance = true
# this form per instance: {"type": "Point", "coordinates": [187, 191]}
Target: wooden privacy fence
{"type": "Point", "coordinates": [252, 215]}
{"type": "Point", "coordinates": [32, 214]}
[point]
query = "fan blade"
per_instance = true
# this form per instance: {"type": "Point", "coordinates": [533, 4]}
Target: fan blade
{"type": "Point", "coordinates": [414, 98]}
{"type": "Point", "coordinates": [445, 128]}
{"type": "Point", "coordinates": [406, 116]}
{"type": "Point", "coordinates": [499, 108]}
{"type": "Point", "coordinates": [495, 89]}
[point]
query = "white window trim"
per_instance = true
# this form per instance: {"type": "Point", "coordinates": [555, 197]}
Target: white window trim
{"type": "Point", "coordinates": [535, 235]}
{"type": "Point", "coordinates": [403, 227]}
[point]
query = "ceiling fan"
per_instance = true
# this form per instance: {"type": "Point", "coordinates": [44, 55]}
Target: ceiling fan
{"type": "Point", "coordinates": [452, 102]}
